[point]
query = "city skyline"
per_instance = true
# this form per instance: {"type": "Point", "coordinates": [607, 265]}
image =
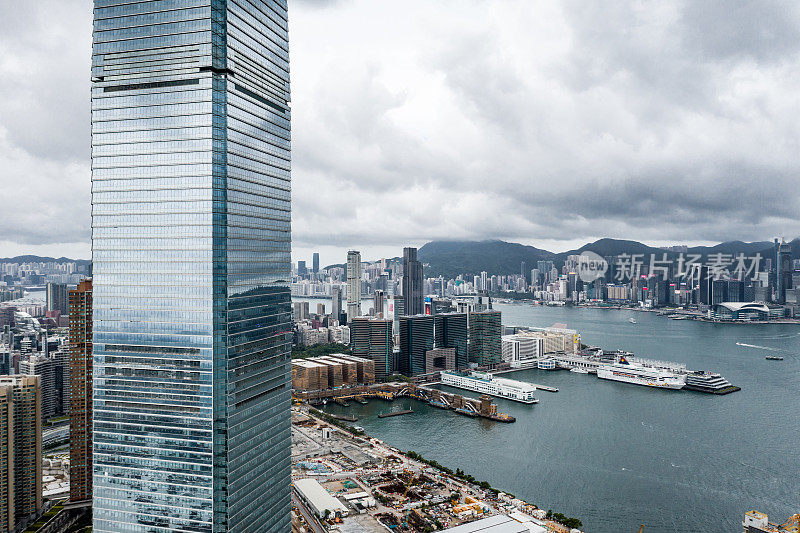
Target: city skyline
{"type": "Point", "coordinates": [659, 140]}
{"type": "Point", "coordinates": [231, 297]}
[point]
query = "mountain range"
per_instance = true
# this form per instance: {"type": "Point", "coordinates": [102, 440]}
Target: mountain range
{"type": "Point", "coordinates": [451, 258]}
{"type": "Point", "coordinates": [42, 259]}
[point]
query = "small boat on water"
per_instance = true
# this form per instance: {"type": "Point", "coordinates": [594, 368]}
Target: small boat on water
{"type": "Point", "coordinates": [774, 358]}
{"type": "Point", "coordinates": [632, 320]}
{"type": "Point", "coordinates": [579, 370]}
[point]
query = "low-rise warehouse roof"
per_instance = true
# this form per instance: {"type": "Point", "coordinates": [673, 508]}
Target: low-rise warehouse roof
{"type": "Point", "coordinates": [497, 524]}
{"type": "Point", "coordinates": [318, 498]}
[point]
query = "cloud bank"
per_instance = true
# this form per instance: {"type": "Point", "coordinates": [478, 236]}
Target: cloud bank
{"type": "Point", "coordinates": [532, 121]}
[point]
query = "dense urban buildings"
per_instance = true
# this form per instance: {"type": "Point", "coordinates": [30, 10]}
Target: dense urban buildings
{"type": "Point", "coordinates": [20, 450]}
{"type": "Point", "coordinates": [191, 256]}
{"type": "Point", "coordinates": [353, 284]}
{"type": "Point", "coordinates": [80, 372]}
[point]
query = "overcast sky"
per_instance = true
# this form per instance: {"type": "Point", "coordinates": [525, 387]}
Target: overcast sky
{"type": "Point", "coordinates": [548, 123]}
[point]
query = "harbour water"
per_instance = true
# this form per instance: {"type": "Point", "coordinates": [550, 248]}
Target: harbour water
{"type": "Point", "coordinates": [617, 455]}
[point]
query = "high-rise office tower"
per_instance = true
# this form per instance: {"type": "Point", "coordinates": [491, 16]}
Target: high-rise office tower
{"type": "Point", "coordinates": [784, 273]}
{"type": "Point", "coordinates": [412, 282]}
{"type": "Point", "coordinates": [191, 253]}
{"type": "Point", "coordinates": [315, 263]}
{"type": "Point", "coordinates": [451, 332]}
{"type": "Point", "coordinates": [57, 297]}
{"type": "Point", "coordinates": [523, 270]}
{"type": "Point", "coordinates": [353, 284]}
{"type": "Point", "coordinates": [80, 373]}
{"type": "Point", "coordinates": [485, 331]}
{"type": "Point", "coordinates": [371, 338]}
{"type": "Point", "coordinates": [20, 450]}
{"type": "Point", "coordinates": [336, 303]}
{"type": "Point", "coordinates": [416, 338]}
{"type": "Point", "coordinates": [302, 270]}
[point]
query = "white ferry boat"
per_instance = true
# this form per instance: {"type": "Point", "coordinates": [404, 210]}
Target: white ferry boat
{"type": "Point", "coordinates": [709, 382]}
{"type": "Point", "coordinates": [486, 383]}
{"type": "Point", "coordinates": [640, 375]}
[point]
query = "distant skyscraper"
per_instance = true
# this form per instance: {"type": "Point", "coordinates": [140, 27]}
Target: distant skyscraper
{"type": "Point", "coordinates": [523, 269]}
{"type": "Point", "coordinates": [336, 303]}
{"type": "Point", "coordinates": [315, 263]}
{"type": "Point", "coordinates": [301, 268]}
{"type": "Point", "coordinates": [379, 299]}
{"type": "Point", "coordinates": [20, 450]}
{"type": "Point", "coordinates": [485, 330]}
{"type": "Point", "coordinates": [80, 421]}
{"type": "Point", "coordinates": [784, 272]}
{"type": "Point", "coordinates": [353, 284]}
{"type": "Point", "coordinates": [416, 338]}
{"type": "Point", "coordinates": [395, 308]}
{"type": "Point", "coordinates": [412, 282]}
{"type": "Point", "coordinates": [57, 297]}
{"type": "Point", "coordinates": [545, 268]}
{"type": "Point", "coordinates": [191, 215]}
{"type": "Point", "coordinates": [484, 284]}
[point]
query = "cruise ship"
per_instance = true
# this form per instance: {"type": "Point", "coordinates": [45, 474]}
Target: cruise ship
{"type": "Point", "coordinates": [641, 375]}
{"type": "Point", "coordinates": [708, 382]}
{"type": "Point", "coordinates": [486, 383]}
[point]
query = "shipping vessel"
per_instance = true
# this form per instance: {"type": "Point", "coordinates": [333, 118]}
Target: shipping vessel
{"type": "Point", "coordinates": [637, 374]}
{"type": "Point", "coordinates": [486, 383]}
{"type": "Point", "coordinates": [702, 381]}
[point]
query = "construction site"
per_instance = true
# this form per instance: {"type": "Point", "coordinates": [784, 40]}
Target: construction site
{"type": "Point", "coordinates": [355, 484]}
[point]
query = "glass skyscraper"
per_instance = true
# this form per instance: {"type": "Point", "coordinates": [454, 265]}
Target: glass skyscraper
{"type": "Point", "coordinates": [191, 249]}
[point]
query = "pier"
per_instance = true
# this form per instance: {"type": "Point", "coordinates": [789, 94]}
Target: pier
{"type": "Point", "coordinates": [483, 407]}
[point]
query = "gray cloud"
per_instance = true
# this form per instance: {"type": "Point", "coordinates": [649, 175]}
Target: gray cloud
{"type": "Point", "coordinates": [517, 119]}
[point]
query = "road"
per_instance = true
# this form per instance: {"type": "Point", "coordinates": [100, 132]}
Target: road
{"type": "Point", "coordinates": [308, 516]}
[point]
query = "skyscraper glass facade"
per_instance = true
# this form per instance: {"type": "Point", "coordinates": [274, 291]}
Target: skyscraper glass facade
{"type": "Point", "coordinates": [191, 250]}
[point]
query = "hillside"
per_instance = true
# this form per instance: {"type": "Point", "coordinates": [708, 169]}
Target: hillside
{"type": "Point", "coordinates": [41, 259]}
{"type": "Point", "coordinates": [451, 258]}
